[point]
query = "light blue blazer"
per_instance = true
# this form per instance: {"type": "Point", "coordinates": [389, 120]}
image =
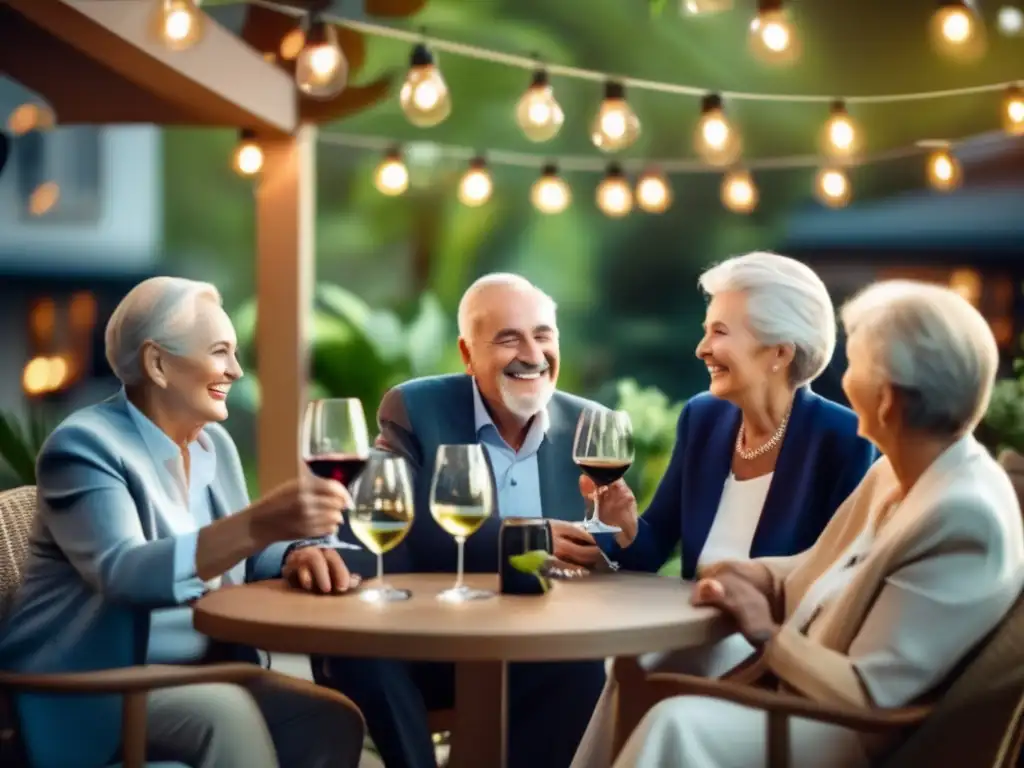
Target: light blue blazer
{"type": "Point", "coordinates": [103, 554]}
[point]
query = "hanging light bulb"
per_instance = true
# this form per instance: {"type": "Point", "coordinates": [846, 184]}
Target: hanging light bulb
{"type": "Point", "coordinates": [739, 193]}
{"type": "Point", "coordinates": [944, 172]}
{"type": "Point", "coordinates": [248, 159]}
{"type": "Point", "coordinates": [550, 193]}
{"type": "Point", "coordinates": [614, 195]}
{"type": "Point", "coordinates": [839, 137]}
{"type": "Point", "coordinates": [832, 187]}
{"type": "Point", "coordinates": [772, 38]}
{"type": "Point", "coordinates": [424, 96]}
{"type": "Point", "coordinates": [653, 193]}
{"type": "Point", "coordinates": [956, 30]}
{"type": "Point", "coordinates": [392, 177]}
{"type": "Point", "coordinates": [615, 126]}
{"type": "Point", "coordinates": [476, 186]}
{"type": "Point", "coordinates": [538, 113]}
{"type": "Point", "coordinates": [177, 24]}
{"type": "Point", "coordinates": [1013, 111]}
{"type": "Point", "coordinates": [292, 44]}
{"type": "Point", "coordinates": [717, 142]}
{"type": "Point", "coordinates": [321, 70]}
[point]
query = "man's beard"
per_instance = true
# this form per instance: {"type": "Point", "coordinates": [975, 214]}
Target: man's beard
{"type": "Point", "coordinates": [526, 406]}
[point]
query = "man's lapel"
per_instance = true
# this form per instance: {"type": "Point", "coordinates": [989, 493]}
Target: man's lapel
{"type": "Point", "coordinates": [559, 484]}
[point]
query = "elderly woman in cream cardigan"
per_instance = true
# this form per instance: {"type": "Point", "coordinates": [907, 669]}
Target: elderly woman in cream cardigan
{"type": "Point", "coordinates": [920, 563]}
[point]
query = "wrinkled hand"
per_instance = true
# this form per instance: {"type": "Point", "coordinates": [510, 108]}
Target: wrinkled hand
{"type": "Point", "coordinates": [749, 570]}
{"type": "Point", "coordinates": [616, 506]}
{"type": "Point", "coordinates": [299, 509]}
{"type": "Point", "coordinates": [573, 545]}
{"type": "Point", "coordinates": [741, 599]}
{"type": "Point", "coordinates": [318, 569]}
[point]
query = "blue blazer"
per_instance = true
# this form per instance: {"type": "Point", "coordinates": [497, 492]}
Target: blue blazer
{"type": "Point", "coordinates": [820, 463]}
{"type": "Point", "coordinates": [418, 416]}
{"type": "Point", "coordinates": [100, 559]}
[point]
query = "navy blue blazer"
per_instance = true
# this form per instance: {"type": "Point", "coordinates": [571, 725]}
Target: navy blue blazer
{"type": "Point", "coordinates": [821, 461]}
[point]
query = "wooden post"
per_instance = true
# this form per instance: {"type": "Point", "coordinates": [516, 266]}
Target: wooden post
{"type": "Point", "coordinates": [285, 217]}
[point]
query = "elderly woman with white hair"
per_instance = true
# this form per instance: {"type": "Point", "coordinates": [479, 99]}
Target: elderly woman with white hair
{"type": "Point", "coordinates": [142, 509]}
{"type": "Point", "coordinates": [921, 562]}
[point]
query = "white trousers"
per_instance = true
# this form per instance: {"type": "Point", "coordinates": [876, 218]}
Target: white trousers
{"type": "Point", "coordinates": [697, 732]}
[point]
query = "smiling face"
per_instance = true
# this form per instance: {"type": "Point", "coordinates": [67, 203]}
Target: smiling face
{"type": "Point", "coordinates": [736, 360]}
{"type": "Point", "coordinates": [195, 383]}
{"type": "Point", "coordinates": [512, 348]}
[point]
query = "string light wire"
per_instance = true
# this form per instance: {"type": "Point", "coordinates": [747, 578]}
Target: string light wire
{"type": "Point", "coordinates": [631, 83]}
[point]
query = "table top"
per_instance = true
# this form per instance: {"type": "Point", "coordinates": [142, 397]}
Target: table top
{"type": "Point", "coordinates": [597, 616]}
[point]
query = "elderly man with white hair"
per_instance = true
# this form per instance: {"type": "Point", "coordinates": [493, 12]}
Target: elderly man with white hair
{"type": "Point", "coordinates": [142, 509]}
{"type": "Point", "coordinates": [921, 562]}
{"type": "Point", "coordinates": [507, 402]}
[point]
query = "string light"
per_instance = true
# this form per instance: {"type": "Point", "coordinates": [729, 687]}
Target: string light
{"type": "Point", "coordinates": [550, 194]}
{"type": "Point", "coordinates": [705, 7]}
{"type": "Point", "coordinates": [943, 170]}
{"type": "Point", "coordinates": [653, 193]}
{"type": "Point", "coordinates": [177, 24]}
{"type": "Point", "coordinates": [44, 198]}
{"type": "Point", "coordinates": [1010, 20]}
{"type": "Point", "coordinates": [840, 138]}
{"type": "Point", "coordinates": [392, 177]}
{"type": "Point", "coordinates": [739, 193]}
{"type": "Point", "coordinates": [717, 142]}
{"type": "Point", "coordinates": [772, 38]}
{"type": "Point", "coordinates": [1013, 111]}
{"type": "Point", "coordinates": [832, 187]}
{"type": "Point", "coordinates": [30, 117]}
{"type": "Point", "coordinates": [538, 112]}
{"type": "Point", "coordinates": [957, 31]}
{"type": "Point", "coordinates": [615, 126]}
{"type": "Point", "coordinates": [248, 159]}
{"type": "Point", "coordinates": [424, 97]}
{"type": "Point", "coordinates": [321, 70]}
{"type": "Point", "coordinates": [614, 195]}
{"type": "Point", "coordinates": [476, 186]}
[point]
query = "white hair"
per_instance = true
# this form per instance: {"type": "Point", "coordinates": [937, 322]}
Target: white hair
{"type": "Point", "coordinates": [493, 280]}
{"type": "Point", "coordinates": [787, 303]}
{"type": "Point", "coordinates": [929, 342]}
{"type": "Point", "coordinates": [161, 310]}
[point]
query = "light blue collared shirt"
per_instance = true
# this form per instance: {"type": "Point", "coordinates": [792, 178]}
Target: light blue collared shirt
{"type": "Point", "coordinates": [172, 639]}
{"type": "Point", "coordinates": [516, 473]}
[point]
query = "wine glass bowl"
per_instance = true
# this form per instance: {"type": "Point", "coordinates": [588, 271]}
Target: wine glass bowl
{"type": "Point", "coordinates": [335, 440]}
{"type": "Point", "coordinates": [461, 501]}
{"type": "Point", "coordinates": [603, 450]}
{"type": "Point", "coordinates": [381, 516]}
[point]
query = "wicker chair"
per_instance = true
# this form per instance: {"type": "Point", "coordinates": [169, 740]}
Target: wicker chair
{"type": "Point", "coordinates": [17, 514]}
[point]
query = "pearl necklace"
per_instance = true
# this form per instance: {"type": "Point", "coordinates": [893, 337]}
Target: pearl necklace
{"type": "Point", "coordinates": [773, 441]}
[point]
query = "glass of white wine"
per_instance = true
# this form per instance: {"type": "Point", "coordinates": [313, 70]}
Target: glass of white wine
{"type": "Point", "coordinates": [461, 500]}
{"type": "Point", "coordinates": [381, 515]}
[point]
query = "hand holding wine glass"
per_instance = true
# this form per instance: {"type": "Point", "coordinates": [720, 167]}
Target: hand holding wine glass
{"type": "Point", "coordinates": [382, 513]}
{"type": "Point", "coordinates": [461, 500]}
{"type": "Point", "coordinates": [603, 449]}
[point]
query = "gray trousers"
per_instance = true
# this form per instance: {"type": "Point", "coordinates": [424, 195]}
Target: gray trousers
{"type": "Point", "coordinates": [274, 721]}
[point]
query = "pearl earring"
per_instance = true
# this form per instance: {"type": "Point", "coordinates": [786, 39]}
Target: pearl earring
{"type": "Point", "coordinates": [775, 369]}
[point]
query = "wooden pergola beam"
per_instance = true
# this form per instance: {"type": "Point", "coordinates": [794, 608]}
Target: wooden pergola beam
{"type": "Point", "coordinates": [102, 66]}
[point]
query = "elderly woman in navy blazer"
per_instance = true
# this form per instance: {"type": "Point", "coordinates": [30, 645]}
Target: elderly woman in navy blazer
{"type": "Point", "coordinates": [142, 509]}
{"type": "Point", "coordinates": [760, 463]}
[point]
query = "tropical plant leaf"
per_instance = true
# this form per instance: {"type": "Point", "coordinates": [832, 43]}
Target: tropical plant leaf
{"type": "Point", "coordinates": [19, 446]}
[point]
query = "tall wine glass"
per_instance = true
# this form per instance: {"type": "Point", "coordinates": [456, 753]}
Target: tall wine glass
{"type": "Point", "coordinates": [461, 500]}
{"type": "Point", "coordinates": [335, 442]}
{"type": "Point", "coordinates": [382, 513]}
{"type": "Point", "coordinates": [603, 449]}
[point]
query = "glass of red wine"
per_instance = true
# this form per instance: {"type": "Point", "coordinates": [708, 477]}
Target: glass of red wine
{"type": "Point", "coordinates": [335, 441]}
{"type": "Point", "coordinates": [603, 450]}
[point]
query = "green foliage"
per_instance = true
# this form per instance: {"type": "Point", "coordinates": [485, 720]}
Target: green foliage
{"type": "Point", "coordinates": [19, 446]}
{"type": "Point", "coordinates": [358, 351]}
{"type": "Point", "coordinates": [1003, 425]}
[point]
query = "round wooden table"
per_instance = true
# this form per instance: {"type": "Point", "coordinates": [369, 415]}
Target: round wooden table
{"type": "Point", "coordinates": [621, 614]}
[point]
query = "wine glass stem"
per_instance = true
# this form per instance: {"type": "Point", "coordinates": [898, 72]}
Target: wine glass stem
{"type": "Point", "coordinates": [460, 542]}
{"type": "Point", "coordinates": [597, 500]}
{"type": "Point", "coordinates": [380, 570]}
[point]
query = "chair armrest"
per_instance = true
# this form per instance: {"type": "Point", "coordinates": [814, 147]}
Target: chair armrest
{"type": "Point", "coordinates": [129, 679]}
{"type": "Point", "coordinates": [665, 685]}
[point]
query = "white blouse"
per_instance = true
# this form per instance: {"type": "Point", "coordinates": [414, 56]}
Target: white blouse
{"type": "Point", "coordinates": [739, 510]}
